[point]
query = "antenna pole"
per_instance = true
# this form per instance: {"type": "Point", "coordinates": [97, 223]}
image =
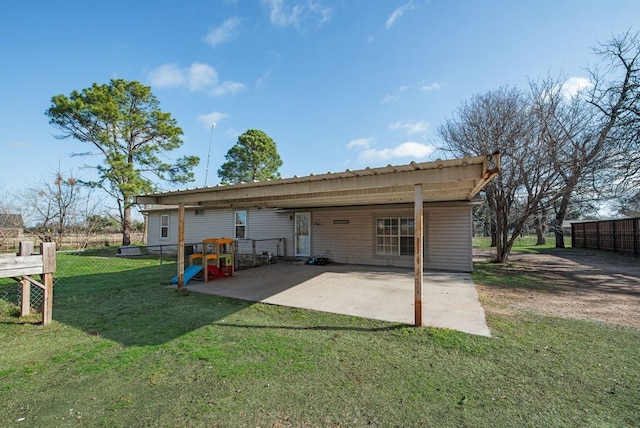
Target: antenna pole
{"type": "Point", "coordinates": [206, 173]}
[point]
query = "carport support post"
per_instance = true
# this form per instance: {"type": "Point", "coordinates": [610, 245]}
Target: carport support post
{"type": "Point", "coordinates": [181, 246]}
{"type": "Point", "coordinates": [418, 250]}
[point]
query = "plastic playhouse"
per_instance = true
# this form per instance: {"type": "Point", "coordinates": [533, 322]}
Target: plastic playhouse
{"type": "Point", "coordinates": [216, 258]}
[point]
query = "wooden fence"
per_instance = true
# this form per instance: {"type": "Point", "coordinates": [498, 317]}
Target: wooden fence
{"type": "Point", "coordinates": [622, 236]}
{"type": "Point", "coordinates": [23, 266]}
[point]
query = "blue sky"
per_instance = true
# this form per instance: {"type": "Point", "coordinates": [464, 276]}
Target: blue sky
{"type": "Point", "coordinates": [338, 84]}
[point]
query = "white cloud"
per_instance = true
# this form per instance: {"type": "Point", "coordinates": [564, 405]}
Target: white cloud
{"type": "Point", "coordinates": [411, 128]}
{"type": "Point", "coordinates": [201, 76]}
{"type": "Point", "coordinates": [198, 77]}
{"type": "Point", "coordinates": [167, 76]}
{"type": "Point", "coordinates": [225, 32]}
{"type": "Point", "coordinates": [398, 13]}
{"type": "Point", "coordinates": [209, 119]}
{"type": "Point", "coordinates": [228, 87]}
{"type": "Point", "coordinates": [359, 143]}
{"type": "Point", "coordinates": [395, 97]}
{"type": "Point", "coordinates": [431, 87]}
{"type": "Point", "coordinates": [389, 98]}
{"type": "Point", "coordinates": [573, 85]}
{"type": "Point", "coordinates": [409, 149]}
{"type": "Point", "coordinates": [284, 13]}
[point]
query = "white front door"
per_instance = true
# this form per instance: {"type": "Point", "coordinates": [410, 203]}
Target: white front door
{"type": "Point", "coordinates": [303, 234]}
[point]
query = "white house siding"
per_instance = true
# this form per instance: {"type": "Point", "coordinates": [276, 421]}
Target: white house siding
{"type": "Point", "coordinates": [265, 224]}
{"type": "Point", "coordinates": [344, 235]}
{"type": "Point", "coordinates": [341, 242]}
{"type": "Point", "coordinates": [449, 238]}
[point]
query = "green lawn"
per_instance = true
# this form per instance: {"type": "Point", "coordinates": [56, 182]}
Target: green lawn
{"type": "Point", "coordinates": [124, 350]}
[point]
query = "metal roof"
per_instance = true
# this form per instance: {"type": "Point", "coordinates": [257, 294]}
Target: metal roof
{"type": "Point", "coordinates": [442, 180]}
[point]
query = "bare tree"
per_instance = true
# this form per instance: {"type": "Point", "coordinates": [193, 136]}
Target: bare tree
{"type": "Point", "coordinates": [11, 221]}
{"type": "Point", "coordinates": [53, 206]}
{"type": "Point", "coordinates": [504, 120]}
{"type": "Point", "coordinates": [567, 127]}
{"type": "Point", "coordinates": [616, 98]}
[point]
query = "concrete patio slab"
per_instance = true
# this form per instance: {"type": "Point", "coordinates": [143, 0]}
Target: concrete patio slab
{"type": "Point", "coordinates": [450, 300]}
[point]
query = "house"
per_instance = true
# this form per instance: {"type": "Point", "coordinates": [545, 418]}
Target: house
{"type": "Point", "coordinates": [359, 217]}
{"type": "Point", "coordinates": [407, 215]}
{"type": "Point", "coordinates": [11, 225]}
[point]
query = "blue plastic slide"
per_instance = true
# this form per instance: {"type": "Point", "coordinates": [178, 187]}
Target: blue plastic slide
{"type": "Point", "coordinates": [189, 273]}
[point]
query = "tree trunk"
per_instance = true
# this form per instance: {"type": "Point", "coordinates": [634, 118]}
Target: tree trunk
{"type": "Point", "coordinates": [561, 212]}
{"type": "Point", "coordinates": [541, 218]}
{"type": "Point", "coordinates": [494, 235]}
{"type": "Point", "coordinates": [502, 235]}
{"type": "Point", "coordinates": [540, 239]}
{"type": "Point", "coordinates": [126, 227]}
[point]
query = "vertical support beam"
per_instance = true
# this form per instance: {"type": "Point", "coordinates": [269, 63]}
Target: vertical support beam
{"type": "Point", "coordinates": [48, 251]}
{"type": "Point", "coordinates": [181, 246]}
{"type": "Point", "coordinates": [25, 248]}
{"type": "Point", "coordinates": [47, 298]}
{"type": "Point", "coordinates": [25, 297]}
{"type": "Point", "coordinates": [418, 251]}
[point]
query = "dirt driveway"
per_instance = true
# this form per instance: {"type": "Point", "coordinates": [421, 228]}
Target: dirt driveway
{"type": "Point", "coordinates": [580, 284]}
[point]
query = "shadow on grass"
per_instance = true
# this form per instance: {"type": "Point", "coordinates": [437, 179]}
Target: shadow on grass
{"type": "Point", "coordinates": [558, 270]}
{"type": "Point", "coordinates": [130, 307]}
{"type": "Point", "coordinates": [319, 327]}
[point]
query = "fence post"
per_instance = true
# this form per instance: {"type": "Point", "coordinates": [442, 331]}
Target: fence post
{"type": "Point", "coordinates": [253, 251]}
{"type": "Point", "coordinates": [48, 251]}
{"type": "Point", "coordinates": [25, 297]}
{"type": "Point", "coordinates": [636, 237]}
{"type": "Point", "coordinates": [25, 248]}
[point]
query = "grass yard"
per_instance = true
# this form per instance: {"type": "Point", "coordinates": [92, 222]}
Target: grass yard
{"type": "Point", "coordinates": [126, 351]}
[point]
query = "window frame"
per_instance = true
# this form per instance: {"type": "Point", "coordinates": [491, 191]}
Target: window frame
{"type": "Point", "coordinates": [164, 228]}
{"type": "Point", "coordinates": [239, 224]}
{"type": "Point", "coordinates": [397, 238]}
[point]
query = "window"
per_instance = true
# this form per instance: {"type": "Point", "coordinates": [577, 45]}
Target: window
{"type": "Point", "coordinates": [240, 229]}
{"type": "Point", "coordinates": [394, 236]}
{"type": "Point", "coordinates": [164, 226]}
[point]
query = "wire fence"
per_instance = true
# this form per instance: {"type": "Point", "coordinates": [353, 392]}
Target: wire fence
{"type": "Point", "coordinates": [106, 266]}
{"type": "Point", "coordinates": [10, 243]}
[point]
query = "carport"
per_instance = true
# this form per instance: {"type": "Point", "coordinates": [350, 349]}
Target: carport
{"type": "Point", "coordinates": [414, 183]}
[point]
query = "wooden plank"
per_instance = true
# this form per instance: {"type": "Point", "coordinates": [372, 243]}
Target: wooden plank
{"type": "Point", "coordinates": [12, 265]}
{"type": "Point", "coordinates": [26, 248]}
{"type": "Point", "coordinates": [25, 303]}
{"type": "Point", "coordinates": [181, 246]}
{"type": "Point", "coordinates": [419, 253]}
{"type": "Point", "coordinates": [48, 252]}
{"type": "Point", "coordinates": [47, 299]}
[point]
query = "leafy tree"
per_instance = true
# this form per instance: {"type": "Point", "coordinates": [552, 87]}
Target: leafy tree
{"type": "Point", "coordinates": [123, 121]}
{"type": "Point", "coordinates": [100, 223]}
{"type": "Point", "coordinates": [253, 158]}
